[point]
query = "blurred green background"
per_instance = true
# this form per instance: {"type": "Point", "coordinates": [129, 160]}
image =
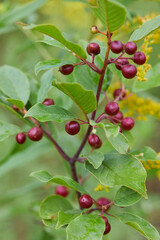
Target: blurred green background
{"type": "Point", "coordinates": [20, 194]}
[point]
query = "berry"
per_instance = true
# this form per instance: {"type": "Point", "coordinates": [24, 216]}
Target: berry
{"type": "Point", "coordinates": [120, 130]}
{"type": "Point", "coordinates": [93, 48]}
{"type": "Point", "coordinates": [48, 102]}
{"type": "Point", "coordinates": [103, 201]}
{"type": "Point", "coordinates": [66, 69]}
{"type": "Point", "coordinates": [129, 71]}
{"type": "Point", "coordinates": [116, 46]}
{"type": "Point", "coordinates": [127, 123]}
{"type": "Point", "coordinates": [72, 127]}
{"type": "Point", "coordinates": [35, 134]}
{"type": "Point", "coordinates": [139, 58]}
{"type": "Point", "coordinates": [120, 62]}
{"type": "Point", "coordinates": [112, 108]}
{"type": "Point", "coordinates": [117, 93]}
{"type": "Point", "coordinates": [94, 29]}
{"type": "Point", "coordinates": [107, 229]}
{"type": "Point", "coordinates": [105, 220]}
{"type": "Point", "coordinates": [15, 108]}
{"type": "Point", "coordinates": [118, 116]}
{"type": "Point", "coordinates": [62, 191]}
{"type": "Point", "coordinates": [94, 141]}
{"type": "Point", "coordinates": [130, 48]}
{"type": "Point", "coordinates": [20, 138]}
{"type": "Point", "coordinates": [85, 201]}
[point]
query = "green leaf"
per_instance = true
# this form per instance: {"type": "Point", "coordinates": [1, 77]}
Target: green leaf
{"type": "Point", "coordinates": [111, 13]}
{"type": "Point", "coordinates": [49, 113]}
{"type": "Point", "coordinates": [8, 129]}
{"type": "Point", "coordinates": [145, 153]}
{"type": "Point", "coordinates": [14, 83]}
{"type": "Point", "coordinates": [96, 158]}
{"type": "Point", "coordinates": [86, 227]}
{"type": "Point", "coordinates": [54, 32]}
{"type": "Point", "coordinates": [140, 225]}
{"type": "Point", "coordinates": [85, 99]}
{"type": "Point", "coordinates": [48, 64]}
{"type": "Point", "coordinates": [147, 28]}
{"type": "Point", "coordinates": [66, 217]}
{"type": "Point", "coordinates": [51, 205]}
{"type": "Point", "coordinates": [121, 170]}
{"type": "Point", "coordinates": [52, 42]}
{"type": "Point", "coordinates": [126, 197]}
{"type": "Point", "coordinates": [44, 176]}
{"type": "Point", "coordinates": [15, 102]}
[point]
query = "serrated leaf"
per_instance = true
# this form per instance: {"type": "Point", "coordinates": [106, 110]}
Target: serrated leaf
{"type": "Point", "coordinates": [121, 170]}
{"type": "Point", "coordinates": [147, 28]}
{"type": "Point", "coordinates": [126, 197]}
{"type": "Point", "coordinates": [15, 102]}
{"type": "Point", "coordinates": [51, 205]}
{"type": "Point", "coordinates": [66, 217]}
{"type": "Point", "coordinates": [85, 99]}
{"type": "Point", "coordinates": [54, 32]}
{"type": "Point", "coordinates": [8, 129]}
{"type": "Point", "coordinates": [140, 225]}
{"type": "Point", "coordinates": [49, 113]}
{"type": "Point", "coordinates": [96, 158]}
{"type": "Point", "coordinates": [86, 227]}
{"type": "Point", "coordinates": [111, 13]}
{"type": "Point", "coordinates": [48, 64]}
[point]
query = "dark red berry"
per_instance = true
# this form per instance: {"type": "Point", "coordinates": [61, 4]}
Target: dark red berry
{"type": "Point", "coordinates": [117, 92]}
{"type": "Point", "coordinates": [130, 48]}
{"type": "Point", "coordinates": [107, 229]}
{"type": "Point", "coordinates": [121, 62]}
{"type": "Point", "coordinates": [105, 220]}
{"type": "Point", "coordinates": [116, 46]}
{"type": "Point", "coordinates": [85, 201]}
{"type": "Point", "coordinates": [72, 127]}
{"type": "Point", "coordinates": [66, 69]}
{"type": "Point", "coordinates": [62, 191]}
{"type": "Point", "coordinates": [48, 102]}
{"type": "Point", "coordinates": [20, 138]}
{"type": "Point", "coordinates": [112, 108]}
{"type": "Point", "coordinates": [129, 71]}
{"type": "Point", "coordinates": [35, 134]}
{"type": "Point", "coordinates": [94, 141]}
{"type": "Point", "coordinates": [118, 116]}
{"type": "Point", "coordinates": [93, 48]}
{"type": "Point", "coordinates": [120, 130]}
{"type": "Point", "coordinates": [103, 201]}
{"type": "Point", "coordinates": [15, 108]}
{"type": "Point", "coordinates": [139, 58]}
{"type": "Point", "coordinates": [127, 123]}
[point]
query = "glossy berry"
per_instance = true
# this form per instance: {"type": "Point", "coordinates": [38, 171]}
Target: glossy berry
{"type": "Point", "coordinates": [66, 69]}
{"type": "Point", "coordinates": [118, 116]}
{"type": "Point", "coordinates": [121, 62]}
{"type": "Point", "coordinates": [117, 92]}
{"type": "Point", "coordinates": [103, 201]}
{"type": "Point", "coordinates": [130, 48]}
{"type": "Point", "coordinates": [85, 201]}
{"type": "Point", "coordinates": [116, 46]}
{"type": "Point", "coordinates": [72, 127]}
{"type": "Point", "coordinates": [112, 108]}
{"type": "Point", "coordinates": [93, 48]}
{"type": "Point", "coordinates": [62, 191]}
{"type": "Point", "coordinates": [139, 58]}
{"type": "Point", "coordinates": [107, 229]}
{"type": "Point", "coordinates": [94, 141]}
{"type": "Point", "coordinates": [127, 123]}
{"type": "Point", "coordinates": [35, 134]}
{"type": "Point", "coordinates": [129, 71]}
{"type": "Point", "coordinates": [20, 138]}
{"type": "Point", "coordinates": [48, 102]}
{"type": "Point", "coordinates": [15, 108]}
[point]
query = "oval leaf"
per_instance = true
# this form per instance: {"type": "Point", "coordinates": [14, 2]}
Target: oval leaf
{"type": "Point", "coordinates": [7, 129]}
{"type": "Point", "coordinates": [66, 217]}
{"type": "Point", "coordinates": [96, 158]}
{"type": "Point", "coordinates": [48, 64]}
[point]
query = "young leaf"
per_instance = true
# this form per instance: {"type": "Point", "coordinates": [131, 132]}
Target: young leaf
{"type": "Point", "coordinates": [54, 32]}
{"type": "Point", "coordinates": [96, 158]}
{"type": "Point", "coordinates": [86, 227]}
{"type": "Point", "coordinates": [111, 13]}
{"type": "Point", "coordinates": [14, 83]}
{"type": "Point", "coordinates": [85, 99]}
{"type": "Point", "coordinates": [48, 64]}
{"type": "Point", "coordinates": [7, 129]}
{"type": "Point", "coordinates": [49, 113]}
{"type": "Point", "coordinates": [140, 225]}
{"type": "Point", "coordinates": [126, 197]}
{"type": "Point", "coordinates": [66, 217]}
{"type": "Point", "coordinates": [147, 28]}
{"type": "Point", "coordinates": [121, 170]}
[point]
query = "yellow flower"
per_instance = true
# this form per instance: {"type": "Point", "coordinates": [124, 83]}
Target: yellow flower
{"type": "Point", "coordinates": [100, 188]}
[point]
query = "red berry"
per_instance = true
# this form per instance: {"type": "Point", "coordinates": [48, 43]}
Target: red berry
{"type": "Point", "coordinates": [66, 69]}
{"type": "Point", "coordinates": [72, 127]}
{"type": "Point", "coordinates": [127, 123]}
{"type": "Point", "coordinates": [35, 134]}
{"type": "Point", "coordinates": [120, 130]}
{"type": "Point", "coordinates": [15, 108]}
{"type": "Point", "coordinates": [112, 108]}
{"type": "Point", "coordinates": [116, 46]}
{"type": "Point", "coordinates": [94, 141]}
{"type": "Point", "coordinates": [129, 71]}
{"type": "Point", "coordinates": [85, 201]}
{"type": "Point", "coordinates": [118, 116]}
{"type": "Point", "coordinates": [117, 92]}
{"type": "Point", "coordinates": [20, 138]}
{"type": "Point", "coordinates": [130, 48]}
{"type": "Point", "coordinates": [103, 201]}
{"type": "Point", "coordinates": [93, 48]}
{"type": "Point", "coordinates": [139, 58]}
{"type": "Point", "coordinates": [107, 229]}
{"type": "Point", "coordinates": [121, 62]}
{"type": "Point", "coordinates": [105, 220]}
{"type": "Point", "coordinates": [62, 191]}
{"type": "Point", "coordinates": [48, 102]}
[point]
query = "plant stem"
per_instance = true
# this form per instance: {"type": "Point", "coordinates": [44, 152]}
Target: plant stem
{"type": "Point", "coordinates": [74, 175]}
